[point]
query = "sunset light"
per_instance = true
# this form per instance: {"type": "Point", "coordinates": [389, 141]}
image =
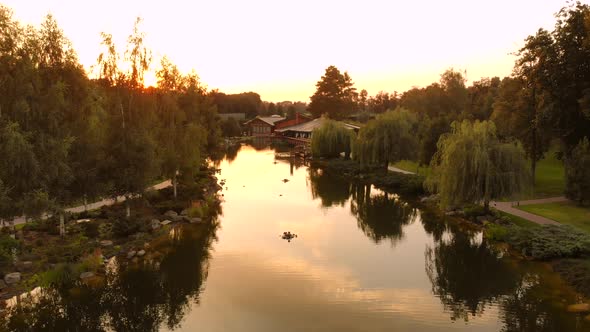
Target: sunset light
{"type": "Point", "coordinates": [280, 48]}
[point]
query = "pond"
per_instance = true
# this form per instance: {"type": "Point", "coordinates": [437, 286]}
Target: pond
{"type": "Point", "coordinates": [363, 260]}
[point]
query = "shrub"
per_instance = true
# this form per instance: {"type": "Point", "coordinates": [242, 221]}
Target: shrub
{"type": "Point", "coordinates": [126, 227]}
{"type": "Point", "coordinates": [7, 245]}
{"type": "Point", "coordinates": [474, 211]}
{"type": "Point", "coordinates": [549, 241]}
{"type": "Point", "coordinates": [91, 229]}
{"type": "Point", "coordinates": [496, 232]}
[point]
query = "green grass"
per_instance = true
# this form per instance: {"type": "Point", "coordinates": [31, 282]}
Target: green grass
{"type": "Point", "coordinates": [412, 166]}
{"type": "Point", "coordinates": [550, 175]}
{"type": "Point", "coordinates": [563, 212]}
{"type": "Point", "coordinates": [518, 221]}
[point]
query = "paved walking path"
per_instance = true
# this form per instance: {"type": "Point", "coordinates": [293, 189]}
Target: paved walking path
{"type": "Point", "coordinates": [508, 207]}
{"type": "Point", "coordinates": [99, 204]}
{"type": "Point", "coordinates": [395, 169]}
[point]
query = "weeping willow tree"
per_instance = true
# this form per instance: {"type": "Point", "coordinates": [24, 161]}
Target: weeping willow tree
{"type": "Point", "coordinates": [331, 139]}
{"type": "Point", "coordinates": [473, 166]}
{"type": "Point", "coordinates": [389, 138]}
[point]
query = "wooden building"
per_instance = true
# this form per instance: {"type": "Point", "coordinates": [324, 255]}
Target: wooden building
{"type": "Point", "coordinates": [263, 126]}
{"type": "Point", "coordinates": [303, 131]}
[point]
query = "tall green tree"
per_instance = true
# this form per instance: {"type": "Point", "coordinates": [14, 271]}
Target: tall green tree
{"type": "Point", "coordinates": [331, 139]}
{"type": "Point", "coordinates": [389, 138]}
{"type": "Point", "coordinates": [473, 166]}
{"type": "Point", "coordinates": [335, 95]}
{"type": "Point", "coordinates": [578, 173]}
{"type": "Point", "coordinates": [571, 76]}
{"type": "Point", "coordinates": [534, 68]}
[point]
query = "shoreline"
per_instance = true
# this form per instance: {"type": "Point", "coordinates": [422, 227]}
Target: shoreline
{"type": "Point", "coordinates": [94, 237]}
{"type": "Point", "coordinates": [574, 271]}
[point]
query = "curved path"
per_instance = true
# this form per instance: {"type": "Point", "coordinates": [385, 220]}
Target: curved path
{"type": "Point", "coordinates": [509, 207]}
{"type": "Point", "coordinates": [398, 170]}
{"type": "Point", "coordinates": [99, 204]}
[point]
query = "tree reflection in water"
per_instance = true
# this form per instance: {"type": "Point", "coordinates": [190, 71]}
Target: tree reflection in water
{"type": "Point", "coordinates": [468, 276]}
{"type": "Point", "coordinates": [331, 190]}
{"type": "Point", "coordinates": [380, 215]}
{"type": "Point", "coordinates": [139, 297]}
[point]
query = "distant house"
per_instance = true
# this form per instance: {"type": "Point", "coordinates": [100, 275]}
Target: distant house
{"type": "Point", "coordinates": [240, 117]}
{"type": "Point", "coordinates": [299, 118]}
{"type": "Point", "coordinates": [263, 126]}
{"type": "Point", "coordinates": [303, 131]}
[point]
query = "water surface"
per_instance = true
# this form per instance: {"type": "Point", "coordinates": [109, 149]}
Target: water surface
{"type": "Point", "coordinates": [363, 260]}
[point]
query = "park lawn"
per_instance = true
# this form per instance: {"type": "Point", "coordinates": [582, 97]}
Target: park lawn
{"type": "Point", "coordinates": [563, 212]}
{"type": "Point", "coordinates": [549, 176]}
{"type": "Point", "coordinates": [518, 221]}
{"type": "Point", "coordinates": [412, 166]}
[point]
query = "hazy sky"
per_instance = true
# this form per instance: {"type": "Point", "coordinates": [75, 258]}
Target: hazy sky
{"type": "Point", "coordinates": [280, 49]}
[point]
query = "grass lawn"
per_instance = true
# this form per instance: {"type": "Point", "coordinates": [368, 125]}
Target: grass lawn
{"type": "Point", "coordinates": [518, 220]}
{"type": "Point", "coordinates": [563, 212]}
{"type": "Point", "coordinates": [550, 175]}
{"type": "Point", "coordinates": [412, 166]}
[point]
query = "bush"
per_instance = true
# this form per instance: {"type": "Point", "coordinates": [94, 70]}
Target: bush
{"type": "Point", "coordinates": [7, 245]}
{"type": "Point", "coordinates": [91, 229]}
{"type": "Point", "coordinates": [549, 241]}
{"type": "Point", "coordinates": [496, 232]}
{"type": "Point", "coordinates": [126, 227]}
{"type": "Point", "coordinates": [474, 211]}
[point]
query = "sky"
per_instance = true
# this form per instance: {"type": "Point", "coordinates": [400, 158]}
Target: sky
{"type": "Point", "coordinates": [280, 49]}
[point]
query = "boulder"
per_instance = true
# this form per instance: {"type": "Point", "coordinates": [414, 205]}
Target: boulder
{"type": "Point", "coordinates": [170, 214]}
{"type": "Point", "coordinates": [155, 224]}
{"type": "Point", "coordinates": [27, 265]}
{"type": "Point", "coordinates": [131, 254]}
{"type": "Point", "coordinates": [165, 222]}
{"type": "Point", "coordinates": [184, 212]}
{"type": "Point", "coordinates": [86, 275]}
{"type": "Point", "coordinates": [580, 307]}
{"type": "Point", "coordinates": [140, 253]}
{"type": "Point", "coordinates": [106, 243]}
{"type": "Point", "coordinates": [12, 278]}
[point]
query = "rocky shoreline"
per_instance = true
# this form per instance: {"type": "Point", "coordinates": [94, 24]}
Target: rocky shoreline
{"type": "Point", "coordinates": [95, 238]}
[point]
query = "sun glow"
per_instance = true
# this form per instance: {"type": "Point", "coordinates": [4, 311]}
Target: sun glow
{"type": "Point", "coordinates": [280, 49]}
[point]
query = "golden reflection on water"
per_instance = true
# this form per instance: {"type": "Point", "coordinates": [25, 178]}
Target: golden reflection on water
{"type": "Point", "coordinates": [332, 277]}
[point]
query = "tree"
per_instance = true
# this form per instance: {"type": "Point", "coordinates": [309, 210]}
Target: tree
{"type": "Point", "coordinates": [534, 68]}
{"type": "Point", "coordinates": [389, 138]}
{"type": "Point", "coordinates": [6, 209]}
{"type": "Point", "coordinates": [578, 173]}
{"type": "Point", "coordinates": [429, 132]}
{"type": "Point", "coordinates": [382, 102]}
{"type": "Point", "coordinates": [231, 128]}
{"type": "Point", "coordinates": [35, 203]}
{"type": "Point", "coordinates": [570, 81]}
{"type": "Point", "coordinates": [362, 100]}
{"type": "Point", "coordinates": [452, 83]}
{"type": "Point", "coordinates": [334, 96]}
{"type": "Point", "coordinates": [331, 139]}
{"type": "Point", "coordinates": [473, 166]}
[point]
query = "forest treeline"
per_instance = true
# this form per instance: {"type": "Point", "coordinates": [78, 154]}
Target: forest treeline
{"type": "Point", "coordinates": [65, 137]}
